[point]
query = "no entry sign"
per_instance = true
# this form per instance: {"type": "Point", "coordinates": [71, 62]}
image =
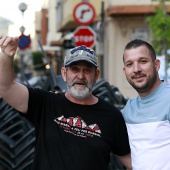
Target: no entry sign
{"type": "Point", "coordinates": [84, 13]}
{"type": "Point", "coordinates": [84, 35]}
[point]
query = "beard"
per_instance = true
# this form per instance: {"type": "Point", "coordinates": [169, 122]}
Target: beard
{"type": "Point", "coordinates": [80, 92]}
{"type": "Point", "coordinates": [147, 85]}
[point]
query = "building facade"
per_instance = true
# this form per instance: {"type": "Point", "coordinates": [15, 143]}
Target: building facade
{"type": "Point", "coordinates": [122, 22]}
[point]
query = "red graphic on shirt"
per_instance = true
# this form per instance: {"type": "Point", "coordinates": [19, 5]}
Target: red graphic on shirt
{"type": "Point", "coordinates": [94, 128]}
{"type": "Point", "coordinates": [70, 121]}
{"type": "Point", "coordinates": [78, 122]}
{"type": "Point", "coordinates": [78, 127]}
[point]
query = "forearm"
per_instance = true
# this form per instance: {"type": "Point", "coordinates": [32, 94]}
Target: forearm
{"type": "Point", "coordinates": [6, 72]}
{"type": "Point", "coordinates": [13, 93]}
{"type": "Point", "coordinates": [8, 47]}
{"type": "Point", "coordinates": [126, 161]}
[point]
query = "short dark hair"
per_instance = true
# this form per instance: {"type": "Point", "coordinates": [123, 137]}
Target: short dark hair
{"type": "Point", "coordinates": [137, 43]}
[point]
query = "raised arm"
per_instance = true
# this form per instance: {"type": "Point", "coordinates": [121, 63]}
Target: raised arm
{"type": "Point", "coordinates": [13, 93]}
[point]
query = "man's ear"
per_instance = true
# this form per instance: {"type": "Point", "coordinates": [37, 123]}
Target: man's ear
{"type": "Point", "coordinates": [63, 73]}
{"type": "Point", "coordinates": [97, 74]}
{"type": "Point", "coordinates": [124, 70]}
{"type": "Point", "coordinates": [157, 64]}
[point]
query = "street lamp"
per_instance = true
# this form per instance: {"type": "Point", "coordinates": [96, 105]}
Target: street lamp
{"type": "Point", "coordinates": [22, 8]}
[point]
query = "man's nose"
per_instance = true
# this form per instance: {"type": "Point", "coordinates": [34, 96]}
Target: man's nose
{"type": "Point", "coordinates": [136, 67]}
{"type": "Point", "coordinates": [81, 74]}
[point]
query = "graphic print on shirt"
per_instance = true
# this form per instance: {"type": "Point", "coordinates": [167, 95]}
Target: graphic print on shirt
{"type": "Point", "coordinates": [78, 127]}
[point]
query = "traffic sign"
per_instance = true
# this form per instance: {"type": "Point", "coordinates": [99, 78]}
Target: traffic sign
{"type": "Point", "coordinates": [24, 41]}
{"type": "Point", "coordinates": [67, 44]}
{"type": "Point", "coordinates": [84, 13]}
{"type": "Point", "coordinates": [84, 35]}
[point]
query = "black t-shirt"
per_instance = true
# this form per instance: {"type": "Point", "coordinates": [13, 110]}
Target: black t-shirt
{"type": "Point", "coordinates": [70, 136]}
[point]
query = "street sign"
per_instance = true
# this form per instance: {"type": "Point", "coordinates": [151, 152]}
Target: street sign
{"type": "Point", "coordinates": [24, 41]}
{"type": "Point", "coordinates": [67, 44]}
{"type": "Point", "coordinates": [84, 35]}
{"type": "Point", "coordinates": [84, 13]}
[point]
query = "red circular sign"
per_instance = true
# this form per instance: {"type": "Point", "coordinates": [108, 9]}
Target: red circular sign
{"type": "Point", "coordinates": [84, 35]}
{"type": "Point", "coordinates": [84, 13]}
{"type": "Point", "coordinates": [24, 41]}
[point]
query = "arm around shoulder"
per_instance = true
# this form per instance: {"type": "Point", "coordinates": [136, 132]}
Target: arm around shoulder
{"type": "Point", "coordinates": [126, 161]}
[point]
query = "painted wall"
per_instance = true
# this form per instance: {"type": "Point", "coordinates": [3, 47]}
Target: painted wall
{"type": "Point", "coordinates": [119, 31]}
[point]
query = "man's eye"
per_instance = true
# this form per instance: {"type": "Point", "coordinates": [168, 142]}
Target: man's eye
{"type": "Point", "coordinates": [128, 64]}
{"type": "Point", "coordinates": [87, 70]}
{"type": "Point", "coordinates": [74, 69]}
{"type": "Point", "coordinates": [143, 61]}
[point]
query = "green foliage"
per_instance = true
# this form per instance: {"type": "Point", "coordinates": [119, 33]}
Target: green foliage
{"type": "Point", "coordinates": [161, 1]}
{"type": "Point", "coordinates": [160, 26]}
{"type": "Point", "coordinates": [38, 60]}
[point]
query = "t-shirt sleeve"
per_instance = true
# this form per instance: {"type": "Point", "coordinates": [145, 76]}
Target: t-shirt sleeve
{"type": "Point", "coordinates": [36, 105]}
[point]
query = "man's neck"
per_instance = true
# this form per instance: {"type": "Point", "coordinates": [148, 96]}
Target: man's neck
{"type": "Point", "coordinates": [151, 90]}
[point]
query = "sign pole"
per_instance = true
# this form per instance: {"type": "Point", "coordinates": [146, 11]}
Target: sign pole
{"type": "Point", "coordinates": [24, 42]}
{"type": "Point", "coordinates": [22, 8]}
{"type": "Point", "coordinates": [102, 38]}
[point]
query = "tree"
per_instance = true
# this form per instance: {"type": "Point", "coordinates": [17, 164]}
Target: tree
{"type": "Point", "coordinates": [38, 60]}
{"type": "Point", "coordinates": [160, 26]}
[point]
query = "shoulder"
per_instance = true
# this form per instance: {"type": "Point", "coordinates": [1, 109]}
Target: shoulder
{"type": "Point", "coordinates": [167, 86]}
{"type": "Point", "coordinates": [105, 103]}
{"type": "Point", "coordinates": [36, 90]}
{"type": "Point", "coordinates": [131, 103]}
{"type": "Point", "coordinates": [109, 108]}
{"type": "Point", "coordinates": [40, 93]}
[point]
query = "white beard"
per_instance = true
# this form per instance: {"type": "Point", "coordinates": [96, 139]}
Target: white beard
{"type": "Point", "coordinates": [79, 92]}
